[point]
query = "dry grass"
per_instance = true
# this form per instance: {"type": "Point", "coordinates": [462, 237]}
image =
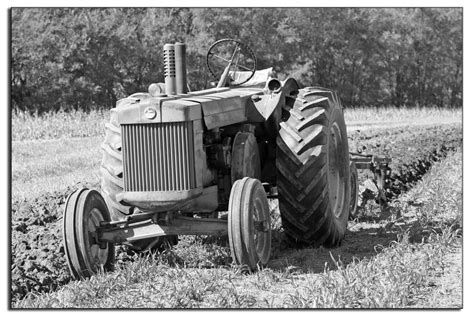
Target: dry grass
{"type": "Point", "coordinates": [61, 124]}
{"type": "Point", "coordinates": [391, 114]}
{"type": "Point", "coordinates": [54, 125]}
{"type": "Point", "coordinates": [39, 167]}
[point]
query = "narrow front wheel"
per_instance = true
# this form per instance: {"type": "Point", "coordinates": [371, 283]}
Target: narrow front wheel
{"type": "Point", "coordinates": [85, 253]}
{"type": "Point", "coordinates": [249, 223]}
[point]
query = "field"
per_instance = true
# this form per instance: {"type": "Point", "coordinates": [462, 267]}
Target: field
{"type": "Point", "coordinates": [405, 255]}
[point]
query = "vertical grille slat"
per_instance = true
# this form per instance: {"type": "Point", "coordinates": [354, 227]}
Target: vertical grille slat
{"type": "Point", "coordinates": [153, 169]}
{"type": "Point", "coordinates": [175, 154]}
{"type": "Point", "coordinates": [190, 155]}
{"type": "Point", "coordinates": [158, 157]}
{"type": "Point", "coordinates": [180, 162]}
{"type": "Point", "coordinates": [166, 156]}
{"type": "Point", "coordinates": [161, 179]}
{"type": "Point", "coordinates": [186, 154]}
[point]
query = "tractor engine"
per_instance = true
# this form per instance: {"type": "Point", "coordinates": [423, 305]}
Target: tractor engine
{"type": "Point", "coordinates": [162, 161]}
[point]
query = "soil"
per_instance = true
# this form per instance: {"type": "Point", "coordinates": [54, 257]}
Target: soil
{"type": "Point", "coordinates": [37, 253]}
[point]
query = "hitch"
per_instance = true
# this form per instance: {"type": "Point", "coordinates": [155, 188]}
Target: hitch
{"type": "Point", "coordinates": [379, 167]}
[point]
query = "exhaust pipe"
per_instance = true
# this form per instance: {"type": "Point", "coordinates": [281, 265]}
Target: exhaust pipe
{"type": "Point", "coordinates": [174, 57]}
{"type": "Point", "coordinates": [170, 69]}
{"type": "Point", "coordinates": [181, 80]}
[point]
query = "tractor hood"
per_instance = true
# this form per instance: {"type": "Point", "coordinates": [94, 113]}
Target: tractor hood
{"type": "Point", "coordinates": [217, 107]}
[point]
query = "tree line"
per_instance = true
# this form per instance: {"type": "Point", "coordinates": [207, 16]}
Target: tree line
{"type": "Point", "coordinates": [87, 58]}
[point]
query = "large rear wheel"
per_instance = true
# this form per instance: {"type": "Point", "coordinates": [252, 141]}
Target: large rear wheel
{"type": "Point", "coordinates": [313, 168]}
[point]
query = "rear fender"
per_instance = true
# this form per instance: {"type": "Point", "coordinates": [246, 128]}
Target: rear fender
{"type": "Point", "coordinates": [269, 104]}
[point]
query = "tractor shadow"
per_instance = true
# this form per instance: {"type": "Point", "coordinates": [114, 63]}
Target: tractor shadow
{"type": "Point", "coordinates": [366, 237]}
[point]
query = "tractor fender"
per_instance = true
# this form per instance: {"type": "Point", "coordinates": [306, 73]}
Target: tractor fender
{"type": "Point", "coordinates": [269, 104]}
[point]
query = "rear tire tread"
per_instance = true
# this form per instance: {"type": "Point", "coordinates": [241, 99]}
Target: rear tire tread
{"type": "Point", "coordinates": [302, 169]}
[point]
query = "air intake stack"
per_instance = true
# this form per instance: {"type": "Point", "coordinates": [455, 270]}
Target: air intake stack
{"type": "Point", "coordinates": [174, 57]}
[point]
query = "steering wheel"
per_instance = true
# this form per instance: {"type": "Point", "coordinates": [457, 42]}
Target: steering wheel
{"type": "Point", "coordinates": [232, 61]}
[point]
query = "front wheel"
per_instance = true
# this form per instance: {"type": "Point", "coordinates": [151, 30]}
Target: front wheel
{"type": "Point", "coordinates": [249, 223]}
{"type": "Point", "coordinates": [85, 254]}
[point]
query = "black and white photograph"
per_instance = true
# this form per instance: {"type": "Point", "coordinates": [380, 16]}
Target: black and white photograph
{"type": "Point", "coordinates": [235, 158]}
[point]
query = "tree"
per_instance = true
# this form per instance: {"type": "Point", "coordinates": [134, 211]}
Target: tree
{"type": "Point", "coordinates": [88, 58]}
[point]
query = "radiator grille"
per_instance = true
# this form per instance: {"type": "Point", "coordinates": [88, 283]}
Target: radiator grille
{"type": "Point", "coordinates": [158, 157]}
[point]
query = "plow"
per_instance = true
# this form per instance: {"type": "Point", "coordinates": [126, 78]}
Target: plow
{"type": "Point", "coordinates": [180, 162]}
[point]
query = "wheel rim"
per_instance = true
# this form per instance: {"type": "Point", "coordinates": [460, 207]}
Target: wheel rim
{"type": "Point", "coordinates": [261, 229]}
{"type": "Point", "coordinates": [98, 256]}
{"type": "Point", "coordinates": [249, 223]}
{"type": "Point", "coordinates": [335, 170]}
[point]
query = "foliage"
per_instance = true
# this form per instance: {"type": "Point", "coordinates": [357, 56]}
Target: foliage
{"type": "Point", "coordinates": [87, 58]}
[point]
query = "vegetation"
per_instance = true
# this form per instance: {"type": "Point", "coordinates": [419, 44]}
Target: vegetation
{"type": "Point", "coordinates": [60, 124]}
{"type": "Point", "coordinates": [83, 58]}
{"type": "Point", "coordinates": [410, 258]}
{"type": "Point", "coordinates": [44, 172]}
{"type": "Point", "coordinates": [79, 123]}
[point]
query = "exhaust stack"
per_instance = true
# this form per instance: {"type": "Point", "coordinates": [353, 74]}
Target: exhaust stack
{"type": "Point", "coordinates": [174, 57]}
{"type": "Point", "coordinates": [181, 80]}
{"type": "Point", "coordinates": [170, 69]}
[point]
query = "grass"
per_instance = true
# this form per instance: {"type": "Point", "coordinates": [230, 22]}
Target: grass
{"type": "Point", "coordinates": [378, 264]}
{"type": "Point", "coordinates": [56, 150]}
{"type": "Point", "coordinates": [402, 114]}
{"type": "Point", "coordinates": [417, 266]}
{"type": "Point", "coordinates": [60, 125]}
{"type": "Point", "coordinates": [54, 125]}
{"type": "Point", "coordinates": [46, 166]}
{"type": "Point", "coordinates": [437, 198]}
{"type": "Point", "coordinates": [397, 277]}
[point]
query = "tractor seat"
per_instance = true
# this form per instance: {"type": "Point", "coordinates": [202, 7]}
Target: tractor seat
{"type": "Point", "coordinates": [259, 78]}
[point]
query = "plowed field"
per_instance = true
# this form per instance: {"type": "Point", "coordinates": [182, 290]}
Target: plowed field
{"type": "Point", "coordinates": [37, 255]}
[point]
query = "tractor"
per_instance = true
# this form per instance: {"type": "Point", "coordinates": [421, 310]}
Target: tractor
{"type": "Point", "coordinates": [180, 162]}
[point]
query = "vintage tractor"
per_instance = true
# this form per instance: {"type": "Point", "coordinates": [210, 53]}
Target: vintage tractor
{"type": "Point", "coordinates": [181, 163]}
